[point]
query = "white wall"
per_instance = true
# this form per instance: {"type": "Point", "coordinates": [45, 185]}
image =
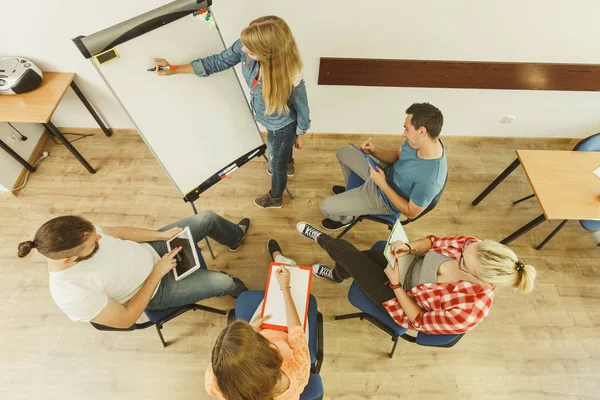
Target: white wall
{"type": "Point", "coordinates": [511, 30]}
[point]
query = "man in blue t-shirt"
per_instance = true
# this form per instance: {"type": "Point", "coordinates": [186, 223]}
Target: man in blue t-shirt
{"type": "Point", "coordinates": [407, 180]}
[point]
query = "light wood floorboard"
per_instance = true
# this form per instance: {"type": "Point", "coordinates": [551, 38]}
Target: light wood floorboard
{"type": "Point", "coordinates": [542, 346]}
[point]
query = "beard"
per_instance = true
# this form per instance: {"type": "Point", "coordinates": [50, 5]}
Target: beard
{"type": "Point", "coordinates": [96, 248]}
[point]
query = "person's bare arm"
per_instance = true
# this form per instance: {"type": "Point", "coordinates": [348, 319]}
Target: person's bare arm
{"type": "Point", "coordinates": [140, 235]}
{"type": "Point", "coordinates": [409, 305]}
{"type": "Point", "coordinates": [387, 156]}
{"type": "Point", "coordinates": [406, 207]}
{"type": "Point", "coordinates": [283, 277]}
{"type": "Point", "coordinates": [417, 247]}
{"type": "Point", "coordinates": [123, 316]}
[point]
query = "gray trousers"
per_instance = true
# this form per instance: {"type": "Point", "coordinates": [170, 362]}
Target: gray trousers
{"type": "Point", "coordinates": [359, 201]}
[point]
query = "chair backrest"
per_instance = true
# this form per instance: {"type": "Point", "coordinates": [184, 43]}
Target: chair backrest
{"type": "Point", "coordinates": [590, 143]}
{"type": "Point", "coordinates": [314, 389]}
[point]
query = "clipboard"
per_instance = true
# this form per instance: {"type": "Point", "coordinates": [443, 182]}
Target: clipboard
{"type": "Point", "coordinates": [273, 303]}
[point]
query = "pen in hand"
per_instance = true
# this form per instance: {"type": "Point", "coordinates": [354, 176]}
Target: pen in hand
{"type": "Point", "coordinates": [163, 68]}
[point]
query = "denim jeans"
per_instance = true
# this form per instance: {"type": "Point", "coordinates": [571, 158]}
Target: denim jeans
{"type": "Point", "coordinates": [281, 146]}
{"type": "Point", "coordinates": [201, 284]}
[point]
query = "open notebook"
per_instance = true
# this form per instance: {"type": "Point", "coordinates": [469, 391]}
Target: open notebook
{"type": "Point", "coordinates": [273, 303]}
{"type": "Point", "coordinates": [403, 262]}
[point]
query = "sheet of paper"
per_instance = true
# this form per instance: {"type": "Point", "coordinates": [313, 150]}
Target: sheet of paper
{"type": "Point", "coordinates": [256, 315]}
{"type": "Point", "coordinates": [274, 304]}
{"type": "Point", "coordinates": [403, 262]}
{"type": "Point", "coordinates": [597, 172]}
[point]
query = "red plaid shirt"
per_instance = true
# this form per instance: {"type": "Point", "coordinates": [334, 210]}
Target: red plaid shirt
{"type": "Point", "coordinates": [447, 308]}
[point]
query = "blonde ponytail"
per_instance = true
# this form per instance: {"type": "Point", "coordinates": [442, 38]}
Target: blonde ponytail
{"type": "Point", "coordinates": [499, 265]}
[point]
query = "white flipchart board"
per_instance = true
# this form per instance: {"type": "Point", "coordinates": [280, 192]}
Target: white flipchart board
{"type": "Point", "coordinates": [194, 126]}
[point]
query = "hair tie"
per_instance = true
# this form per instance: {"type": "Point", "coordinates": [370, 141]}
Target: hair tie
{"type": "Point", "coordinates": [519, 266]}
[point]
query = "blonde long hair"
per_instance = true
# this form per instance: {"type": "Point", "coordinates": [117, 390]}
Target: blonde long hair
{"type": "Point", "coordinates": [499, 265]}
{"type": "Point", "coordinates": [270, 39]}
{"type": "Point", "coordinates": [246, 365]}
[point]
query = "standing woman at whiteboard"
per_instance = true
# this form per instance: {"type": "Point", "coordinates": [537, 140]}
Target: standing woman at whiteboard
{"type": "Point", "coordinates": [272, 68]}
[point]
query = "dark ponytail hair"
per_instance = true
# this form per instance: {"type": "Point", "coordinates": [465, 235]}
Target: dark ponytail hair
{"type": "Point", "coordinates": [58, 237]}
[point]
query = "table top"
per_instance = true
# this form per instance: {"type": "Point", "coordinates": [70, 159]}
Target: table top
{"type": "Point", "coordinates": [38, 105]}
{"type": "Point", "coordinates": [564, 182]}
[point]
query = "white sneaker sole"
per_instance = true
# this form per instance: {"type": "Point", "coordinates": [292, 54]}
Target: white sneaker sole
{"type": "Point", "coordinates": [336, 229]}
{"type": "Point", "coordinates": [289, 176]}
{"type": "Point", "coordinates": [264, 208]}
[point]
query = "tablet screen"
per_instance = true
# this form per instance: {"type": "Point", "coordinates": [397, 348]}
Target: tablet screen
{"type": "Point", "coordinates": [185, 258]}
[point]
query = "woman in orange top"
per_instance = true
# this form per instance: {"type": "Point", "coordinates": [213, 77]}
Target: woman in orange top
{"type": "Point", "coordinates": [247, 366]}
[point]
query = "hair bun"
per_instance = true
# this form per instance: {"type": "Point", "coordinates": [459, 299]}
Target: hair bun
{"type": "Point", "coordinates": [25, 248]}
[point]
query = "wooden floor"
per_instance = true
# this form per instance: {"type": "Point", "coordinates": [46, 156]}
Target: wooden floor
{"type": "Point", "coordinates": [542, 346]}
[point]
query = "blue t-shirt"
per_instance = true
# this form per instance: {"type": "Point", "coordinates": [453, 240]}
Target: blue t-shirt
{"type": "Point", "coordinates": [414, 178]}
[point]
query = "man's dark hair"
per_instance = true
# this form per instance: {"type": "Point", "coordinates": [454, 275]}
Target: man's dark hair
{"type": "Point", "coordinates": [58, 237]}
{"type": "Point", "coordinates": [427, 115]}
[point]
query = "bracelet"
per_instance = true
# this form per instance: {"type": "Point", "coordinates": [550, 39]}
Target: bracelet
{"type": "Point", "coordinates": [409, 248]}
{"type": "Point", "coordinates": [284, 287]}
{"type": "Point", "coordinates": [396, 286]}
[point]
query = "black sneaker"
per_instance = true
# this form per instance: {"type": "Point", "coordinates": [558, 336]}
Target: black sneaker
{"type": "Point", "coordinates": [334, 225]}
{"type": "Point", "coordinates": [308, 231]}
{"type": "Point", "coordinates": [240, 288]}
{"type": "Point", "coordinates": [338, 189]}
{"type": "Point", "coordinates": [245, 225]}
{"type": "Point", "coordinates": [272, 247]}
{"type": "Point", "coordinates": [322, 271]}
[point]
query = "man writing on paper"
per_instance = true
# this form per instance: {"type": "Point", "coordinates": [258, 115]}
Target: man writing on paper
{"type": "Point", "coordinates": [408, 181]}
{"type": "Point", "coordinates": [109, 276]}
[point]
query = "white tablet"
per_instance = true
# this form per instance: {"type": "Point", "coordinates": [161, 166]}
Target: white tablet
{"type": "Point", "coordinates": [187, 258]}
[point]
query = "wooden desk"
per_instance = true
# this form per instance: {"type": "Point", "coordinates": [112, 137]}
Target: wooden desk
{"type": "Point", "coordinates": [563, 182]}
{"type": "Point", "coordinates": [39, 105]}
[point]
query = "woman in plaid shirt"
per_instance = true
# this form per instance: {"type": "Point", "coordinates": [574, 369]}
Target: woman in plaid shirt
{"type": "Point", "coordinates": [447, 289]}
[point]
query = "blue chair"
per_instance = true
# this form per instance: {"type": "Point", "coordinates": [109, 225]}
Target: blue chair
{"type": "Point", "coordinates": [355, 181]}
{"type": "Point", "coordinates": [159, 317]}
{"type": "Point", "coordinates": [246, 305]}
{"type": "Point", "coordinates": [381, 319]}
{"type": "Point", "coordinates": [591, 143]}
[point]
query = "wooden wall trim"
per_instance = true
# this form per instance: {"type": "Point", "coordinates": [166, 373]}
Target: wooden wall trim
{"type": "Point", "coordinates": [459, 74]}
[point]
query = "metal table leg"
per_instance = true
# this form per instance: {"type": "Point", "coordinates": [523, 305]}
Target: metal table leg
{"type": "Point", "coordinates": [55, 132]}
{"type": "Point", "coordinates": [89, 107]}
{"type": "Point", "coordinates": [496, 181]}
{"type": "Point", "coordinates": [521, 231]}
{"type": "Point", "coordinates": [16, 156]}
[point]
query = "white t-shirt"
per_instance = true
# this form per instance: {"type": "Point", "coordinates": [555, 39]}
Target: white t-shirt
{"type": "Point", "coordinates": [117, 271]}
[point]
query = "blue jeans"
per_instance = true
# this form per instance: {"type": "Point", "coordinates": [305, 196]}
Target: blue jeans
{"type": "Point", "coordinates": [281, 146]}
{"type": "Point", "coordinates": [201, 284]}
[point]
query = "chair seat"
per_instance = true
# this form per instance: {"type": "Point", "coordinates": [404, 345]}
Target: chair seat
{"type": "Point", "coordinates": [247, 302]}
{"type": "Point", "coordinates": [314, 388]}
{"type": "Point", "coordinates": [157, 315]}
{"type": "Point", "coordinates": [360, 300]}
{"type": "Point", "coordinates": [590, 225]}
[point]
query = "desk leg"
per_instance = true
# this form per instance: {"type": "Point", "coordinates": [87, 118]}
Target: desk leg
{"type": "Point", "coordinates": [496, 182]}
{"type": "Point", "coordinates": [16, 156]}
{"type": "Point", "coordinates": [524, 229]}
{"type": "Point", "coordinates": [55, 132]}
{"type": "Point", "coordinates": [89, 107]}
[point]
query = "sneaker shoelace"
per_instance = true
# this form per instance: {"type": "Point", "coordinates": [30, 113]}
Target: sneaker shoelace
{"type": "Point", "coordinates": [325, 272]}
